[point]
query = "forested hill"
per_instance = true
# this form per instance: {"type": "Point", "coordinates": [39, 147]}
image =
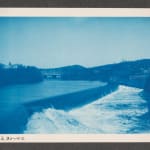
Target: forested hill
{"type": "Point", "coordinates": [131, 73]}
{"type": "Point", "coordinates": [19, 74]}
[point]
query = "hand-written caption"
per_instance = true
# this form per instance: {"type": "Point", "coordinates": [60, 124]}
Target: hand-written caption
{"type": "Point", "coordinates": [11, 138]}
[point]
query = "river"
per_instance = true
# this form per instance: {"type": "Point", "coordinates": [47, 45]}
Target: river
{"type": "Point", "coordinates": [13, 115]}
{"type": "Point", "coordinates": [122, 111]}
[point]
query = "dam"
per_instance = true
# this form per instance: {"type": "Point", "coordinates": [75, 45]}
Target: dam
{"type": "Point", "coordinates": [71, 100]}
{"type": "Point", "coordinates": [19, 102]}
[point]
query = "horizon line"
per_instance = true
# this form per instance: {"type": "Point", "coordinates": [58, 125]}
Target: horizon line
{"type": "Point", "coordinates": [121, 61]}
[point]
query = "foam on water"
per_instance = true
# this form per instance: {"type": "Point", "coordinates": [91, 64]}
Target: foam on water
{"type": "Point", "coordinates": [118, 112]}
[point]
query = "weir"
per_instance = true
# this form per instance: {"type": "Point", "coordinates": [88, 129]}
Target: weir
{"type": "Point", "coordinates": [72, 100]}
{"type": "Point", "coordinates": [14, 121]}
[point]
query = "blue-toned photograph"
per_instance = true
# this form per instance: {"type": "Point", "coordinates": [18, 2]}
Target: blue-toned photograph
{"type": "Point", "coordinates": [74, 75]}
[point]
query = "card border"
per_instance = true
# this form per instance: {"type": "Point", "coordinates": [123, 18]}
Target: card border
{"type": "Point", "coordinates": [76, 12]}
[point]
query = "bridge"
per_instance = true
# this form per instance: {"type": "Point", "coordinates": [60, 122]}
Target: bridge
{"type": "Point", "coordinates": [52, 74]}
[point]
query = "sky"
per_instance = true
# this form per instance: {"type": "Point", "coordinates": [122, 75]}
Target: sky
{"type": "Point", "coordinates": [49, 42]}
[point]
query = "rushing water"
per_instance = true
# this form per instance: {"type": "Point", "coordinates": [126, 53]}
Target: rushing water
{"type": "Point", "coordinates": [119, 112]}
{"type": "Point", "coordinates": [12, 112]}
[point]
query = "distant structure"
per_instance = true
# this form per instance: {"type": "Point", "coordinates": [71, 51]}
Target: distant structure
{"type": "Point", "coordinates": [52, 74]}
{"type": "Point", "coordinates": [9, 64]}
{"type": "Point", "coordinates": [12, 66]}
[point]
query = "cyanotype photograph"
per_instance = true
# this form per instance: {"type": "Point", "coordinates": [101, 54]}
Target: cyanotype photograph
{"type": "Point", "coordinates": [74, 75]}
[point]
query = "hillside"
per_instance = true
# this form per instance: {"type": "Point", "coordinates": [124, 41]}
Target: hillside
{"type": "Point", "coordinates": [19, 74]}
{"type": "Point", "coordinates": [74, 72]}
{"type": "Point", "coordinates": [131, 73]}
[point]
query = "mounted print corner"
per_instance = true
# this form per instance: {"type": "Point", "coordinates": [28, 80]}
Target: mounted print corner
{"type": "Point", "coordinates": [74, 75]}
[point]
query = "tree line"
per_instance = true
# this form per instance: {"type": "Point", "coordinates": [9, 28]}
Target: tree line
{"type": "Point", "coordinates": [19, 74]}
